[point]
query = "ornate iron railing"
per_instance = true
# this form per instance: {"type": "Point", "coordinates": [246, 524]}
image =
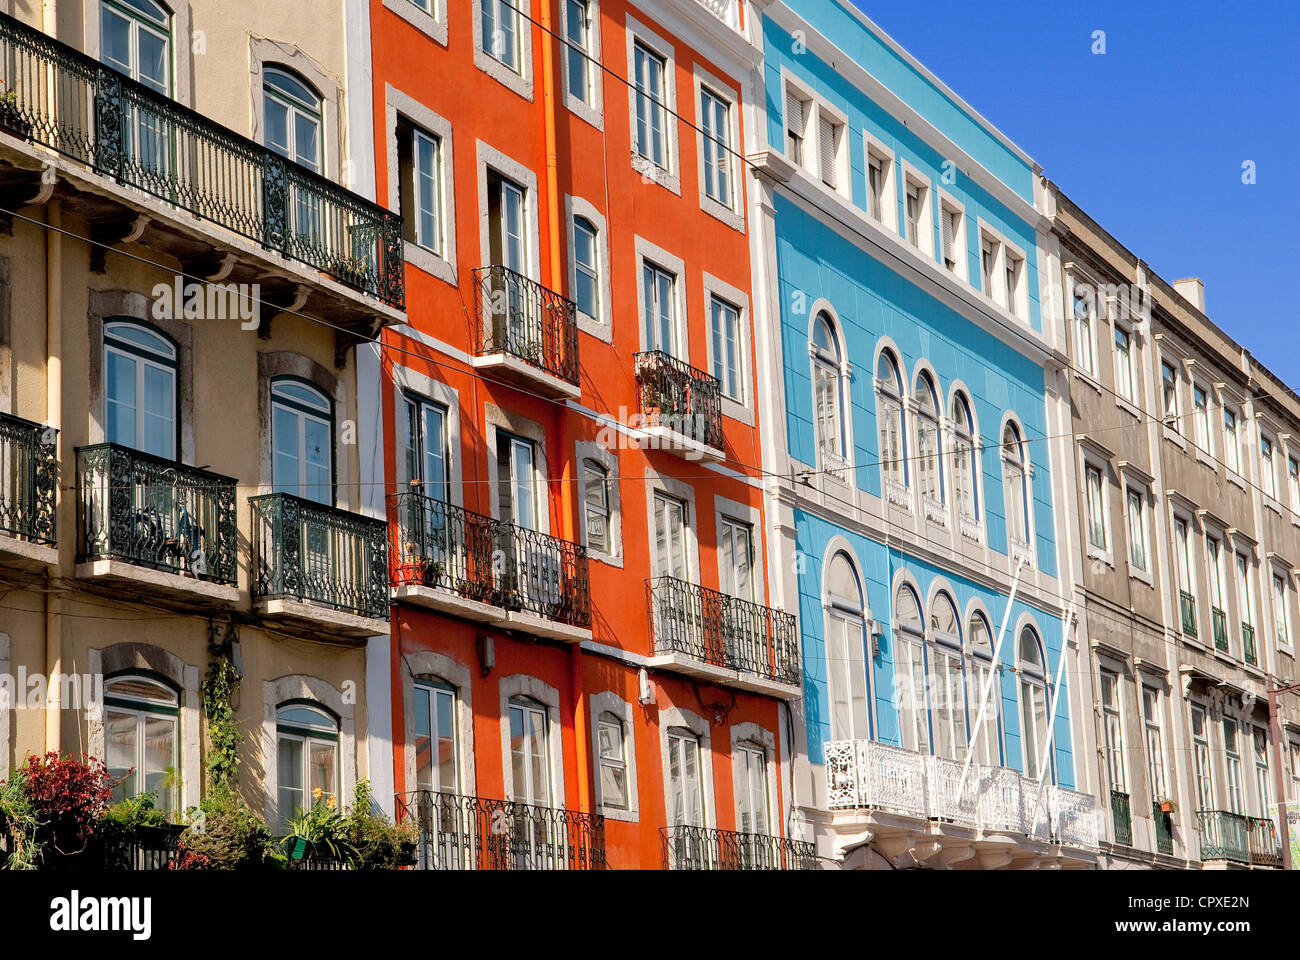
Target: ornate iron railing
{"type": "Point", "coordinates": [1121, 818]}
{"type": "Point", "coordinates": [526, 320]}
{"type": "Point", "coordinates": [436, 544]}
{"type": "Point", "coordinates": [1224, 836]}
{"type": "Point", "coordinates": [472, 833]}
{"type": "Point", "coordinates": [304, 550]}
{"type": "Point", "coordinates": [1164, 822]}
{"type": "Point", "coordinates": [703, 848]}
{"type": "Point", "coordinates": [57, 96]}
{"type": "Point", "coordinates": [1261, 838]}
{"type": "Point", "coordinates": [1219, 620]}
{"type": "Point", "coordinates": [144, 848]}
{"type": "Point", "coordinates": [544, 575]}
{"type": "Point", "coordinates": [29, 476]}
{"type": "Point", "coordinates": [1248, 644]}
{"type": "Point", "coordinates": [152, 512]}
{"type": "Point", "coordinates": [725, 631]}
{"type": "Point", "coordinates": [679, 397]}
{"type": "Point", "coordinates": [1187, 605]}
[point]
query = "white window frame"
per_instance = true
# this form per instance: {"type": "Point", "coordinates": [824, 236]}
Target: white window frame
{"type": "Point", "coordinates": [1137, 536]}
{"type": "Point", "coordinates": [1101, 524]}
{"type": "Point", "coordinates": [888, 189]}
{"type": "Point", "coordinates": [729, 210]}
{"type": "Point", "coordinates": [914, 178]}
{"type": "Point", "coordinates": [1202, 429]}
{"type": "Point", "coordinates": [521, 80]}
{"type": "Point", "coordinates": [439, 263]}
{"type": "Point", "coordinates": [741, 408]}
{"type": "Point", "coordinates": [948, 205]}
{"type": "Point", "coordinates": [667, 174]}
{"type": "Point", "coordinates": [427, 16]}
{"type": "Point", "coordinates": [590, 108]}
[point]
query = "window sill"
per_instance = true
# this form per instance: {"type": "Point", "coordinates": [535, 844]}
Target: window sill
{"type": "Point", "coordinates": [519, 83]}
{"type": "Point", "coordinates": [624, 816]}
{"type": "Point", "coordinates": [738, 411]}
{"type": "Point", "coordinates": [1086, 378]}
{"type": "Point", "coordinates": [1236, 478]}
{"type": "Point", "coordinates": [433, 28]}
{"type": "Point", "coordinates": [720, 211]}
{"type": "Point", "coordinates": [1272, 504]}
{"type": "Point", "coordinates": [427, 260]}
{"type": "Point", "coordinates": [1227, 658]}
{"type": "Point", "coordinates": [605, 558]}
{"type": "Point", "coordinates": [1128, 407]}
{"type": "Point", "coordinates": [651, 172]}
{"type": "Point", "coordinates": [1173, 436]}
{"type": "Point", "coordinates": [1137, 573]}
{"type": "Point", "coordinates": [584, 111]}
{"type": "Point", "coordinates": [1192, 642]}
{"type": "Point", "coordinates": [1105, 556]}
{"type": "Point", "coordinates": [1206, 458]}
{"type": "Point", "coordinates": [1254, 671]}
{"type": "Point", "coordinates": [599, 329]}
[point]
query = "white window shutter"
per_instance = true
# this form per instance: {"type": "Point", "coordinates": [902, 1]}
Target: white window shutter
{"type": "Point", "coordinates": [827, 130]}
{"type": "Point", "coordinates": [793, 113]}
{"type": "Point", "coordinates": [949, 234]}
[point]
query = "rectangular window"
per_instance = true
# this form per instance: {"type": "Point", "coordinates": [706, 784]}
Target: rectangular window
{"type": "Point", "coordinates": [1293, 752]}
{"type": "Point", "coordinates": [1232, 754]}
{"type": "Point", "coordinates": [796, 125]}
{"type": "Point", "coordinates": [578, 51]}
{"type": "Point", "coordinates": [1263, 782]}
{"type": "Point", "coordinates": [670, 537]}
{"type": "Point", "coordinates": [1154, 742]}
{"type": "Point", "coordinates": [1293, 483]}
{"type": "Point", "coordinates": [1169, 395]}
{"type": "Point", "coordinates": [1114, 731]}
{"type": "Point", "coordinates": [1015, 270]}
{"type": "Point", "coordinates": [1201, 759]}
{"type": "Point", "coordinates": [650, 80]}
{"type": "Point", "coordinates": [715, 126]}
{"type": "Point", "coordinates": [951, 224]}
{"type": "Point", "coordinates": [1267, 469]}
{"type": "Point", "coordinates": [685, 798]}
{"type": "Point", "coordinates": [435, 738]}
{"type": "Point", "coordinates": [1124, 364]}
{"type": "Point", "coordinates": [516, 481]}
{"type": "Point", "coordinates": [586, 268]}
{"type": "Point", "coordinates": [1281, 616]}
{"type": "Point", "coordinates": [501, 31]}
{"type": "Point", "coordinates": [660, 293]}
{"type": "Point", "coordinates": [1137, 531]}
{"type": "Point", "coordinates": [988, 263]}
{"type": "Point", "coordinates": [613, 762]}
{"type": "Point", "coordinates": [736, 558]}
{"type": "Point", "coordinates": [915, 211]}
{"type": "Point", "coordinates": [1084, 306]}
{"type": "Point", "coordinates": [725, 321]}
{"type": "Point", "coordinates": [1231, 441]}
{"type": "Point", "coordinates": [419, 162]}
{"type": "Point", "coordinates": [530, 757]}
{"type": "Point", "coordinates": [829, 134]}
{"type": "Point", "coordinates": [1201, 417]}
{"type": "Point", "coordinates": [1096, 508]}
{"type": "Point", "coordinates": [877, 171]}
{"type": "Point", "coordinates": [596, 503]}
{"type": "Point", "coordinates": [423, 454]}
{"type": "Point", "coordinates": [751, 804]}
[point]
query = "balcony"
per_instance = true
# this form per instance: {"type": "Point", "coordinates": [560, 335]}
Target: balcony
{"type": "Point", "coordinates": [1248, 644]}
{"type": "Point", "coordinates": [455, 561]}
{"type": "Point", "coordinates": [318, 568]}
{"type": "Point", "coordinates": [682, 407]}
{"type": "Point", "coordinates": [1121, 818]}
{"type": "Point", "coordinates": [1164, 822]}
{"type": "Point", "coordinates": [528, 333]}
{"type": "Point", "coordinates": [1187, 605]}
{"type": "Point", "coordinates": [1219, 620]}
{"type": "Point", "coordinates": [722, 639]}
{"type": "Point", "coordinates": [471, 833]}
{"type": "Point", "coordinates": [1238, 839]}
{"type": "Point", "coordinates": [870, 776]}
{"type": "Point", "coordinates": [138, 164]}
{"type": "Point", "coordinates": [29, 476]}
{"type": "Point", "coordinates": [701, 848]}
{"type": "Point", "coordinates": [155, 525]}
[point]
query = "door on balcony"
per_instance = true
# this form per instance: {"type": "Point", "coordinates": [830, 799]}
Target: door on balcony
{"type": "Point", "coordinates": [533, 838]}
{"type": "Point", "coordinates": [140, 722]}
{"type": "Point", "coordinates": [909, 662]}
{"type": "Point", "coordinates": [515, 328]}
{"type": "Point", "coordinates": [742, 625]}
{"type": "Point", "coordinates": [846, 661]}
{"type": "Point", "coordinates": [135, 39]}
{"type": "Point", "coordinates": [1033, 705]}
{"type": "Point", "coordinates": [293, 130]}
{"type": "Point", "coordinates": [307, 760]}
{"type": "Point", "coordinates": [1203, 770]}
{"type": "Point", "coordinates": [429, 542]}
{"type": "Point", "coordinates": [302, 466]}
{"type": "Point", "coordinates": [753, 808]}
{"type": "Point", "coordinates": [444, 840]}
{"type": "Point", "coordinates": [676, 607]}
{"type": "Point", "coordinates": [685, 799]}
{"type": "Point", "coordinates": [532, 567]}
{"type": "Point", "coordinates": [660, 295]}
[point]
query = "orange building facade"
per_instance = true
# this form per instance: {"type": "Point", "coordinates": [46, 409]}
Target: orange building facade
{"type": "Point", "coordinates": [585, 667]}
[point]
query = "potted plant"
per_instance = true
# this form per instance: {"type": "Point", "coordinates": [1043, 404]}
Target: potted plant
{"type": "Point", "coordinates": [1166, 805]}
{"type": "Point", "coordinates": [319, 833]}
{"type": "Point", "coordinates": [378, 843]}
{"type": "Point", "coordinates": [11, 115]}
{"type": "Point", "coordinates": [353, 271]}
{"type": "Point", "coordinates": [411, 568]}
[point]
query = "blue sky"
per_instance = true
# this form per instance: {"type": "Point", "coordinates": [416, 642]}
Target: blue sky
{"type": "Point", "coordinates": [1150, 137]}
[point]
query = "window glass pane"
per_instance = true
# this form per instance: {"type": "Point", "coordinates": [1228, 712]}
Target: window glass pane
{"type": "Point", "coordinates": [289, 776]}
{"type": "Point", "coordinates": [446, 742]}
{"type": "Point", "coordinates": [423, 740]}
{"type": "Point", "coordinates": [159, 411]}
{"type": "Point", "coordinates": [160, 759]}
{"type": "Point", "coordinates": [121, 752]}
{"type": "Point", "coordinates": [323, 760]}
{"type": "Point", "coordinates": [121, 398]}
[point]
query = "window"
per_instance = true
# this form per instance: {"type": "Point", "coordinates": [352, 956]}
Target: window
{"type": "Point", "coordinates": [596, 503]}
{"type": "Point", "coordinates": [141, 721]}
{"type": "Point", "coordinates": [612, 746]}
{"type": "Point", "coordinates": [507, 233]}
{"type": "Point", "coordinates": [302, 427]}
{"type": "Point", "coordinates": [307, 760]}
{"type": "Point", "coordinates": [1293, 483]}
{"type": "Point", "coordinates": [752, 802]}
{"type": "Point", "coordinates": [1187, 582]}
{"type": "Point", "coordinates": [915, 212]}
{"type": "Point", "coordinates": [436, 761]}
{"type": "Point", "coordinates": [1085, 314]}
{"type": "Point", "coordinates": [725, 321]}
{"type": "Point", "coordinates": [135, 38]}
{"type": "Point", "coordinates": [1232, 754]}
{"type": "Point", "coordinates": [660, 293]}
{"type": "Point", "coordinates": [1231, 441]}
{"type": "Point", "coordinates": [845, 652]}
{"type": "Point", "coordinates": [947, 693]}
{"type": "Point", "coordinates": [651, 121]}
{"type": "Point", "coordinates": [579, 49]}
{"type": "Point", "coordinates": [797, 110]}
{"type": "Point", "coordinates": [423, 455]}
{"type": "Point", "coordinates": [670, 537]}
{"type": "Point", "coordinates": [1014, 488]}
{"type": "Point", "coordinates": [140, 389]}
{"type": "Point", "coordinates": [830, 134]}
{"type": "Point", "coordinates": [988, 262]}
{"type": "Point", "coordinates": [988, 732]}
{"type": "Point", "coordinates": [1169, 395]}
{"type": "Point", "coordinates": [715, 127]}
{"type": "Point", "coordinates": [1246, 609]}
{"type": "Point", "coordinates": [965, 460]}
{"type": "Point", "coordinates": [1114, 728]}
{"type": "Point", "coordinates": [928, 445]}
{"type": "Point", "coordinates": [530, 756]}
{"type": "Point", "coordinates": [909, 664]}
{"type": "Point", "coordinates": [828, 396]}
{"type": "Point", "coordinates": [736, 558]}
{"type": "Point", "coordinates": [685, 796]}
{"type": "Point", "coordinates": [1201, 759]}
{"type": "Point", "coordinates": [517, 500]}
{"type": "Point", "coordinates": [1096, 508]}
{"type": "Point", "coordinates": [1214, 570]}
{"type": "Point", "coordinates": [1263, 784]}
{"type": "Point", "coordinates": [1154, 743]}
{"type": "Point", "coordinates": [419, 164]}
{"type": "Point", "coordinates": [951, 223]}
{"type": "Point", "coordinates": [1293, 750]}
{"type": "Point", "coordinates": [878, 167]}
{"type": "Point", "coordinates": [1137, 530]}
{"type": "Point", "coordinates": [501, 38]}
{"type": "Point", "coordinates": [293, 119]}
{"type": "Point", "coordinates": [1281, 617]}
{"type": "Point", "coordinates": [1014, 269]}
{"type": "Point", "coordinates": [1124, 363]}
{"type": "Point", "coordinates": [1267, 469]}
{"type": "Point", "coordinates": [889, 413]}
{"type": "Point", "coordinates": [1033, 704]}
{"type": "Point", "coordinates": [586, 268]}
{"type": "Point", "coordinates": [1201, 417]}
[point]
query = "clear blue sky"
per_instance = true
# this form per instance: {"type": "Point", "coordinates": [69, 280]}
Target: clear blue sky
{"type": "Point", "coordinates": [1150, 138]}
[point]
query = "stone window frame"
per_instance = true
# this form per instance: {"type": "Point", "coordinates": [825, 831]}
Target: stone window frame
{"type": "Point", "coordinates": [678, 717]}
{"type": "Point", "coordinates": [753, 516]}
{"type": "Point", "coordinates": [440, 265]}
{"type": "Point", "coordinates": [490, 158]}
{"type": "Point", "coordinates": [733, 215]}
{"type": "Point", "coordinates": [1091, 457]}
{"type": "Point", "coordinates": [304, 687]}
{"type": "Point", "coordinates": [275, 364]}
{"type": "Point", "coordinates": [432, 25]}
{"type": "Point", "coordinates": [496, 418]}
{"type": "Point", "coordinates": [592, 113]}
{"type": "Point", "coordinates": [669, 177]}
{"type": "Point", "coordinates": [749, 732]}
{"type": "Point", "coordinates": [645, 250]}
{"type": "Point", "coordinates": [583, 451]}
{"type": "Point", "coordinates": [609, 702]}
{"type": "Point", "coordinates": [520, 83]}
{"type": "Point", "coordinates": [743, 409]}
{"type": "Point", "coordinates": [679, 490]}
{"type": "Point", "coordinates": [263, 53]}
{"type": "Point", "coordinates": [602, 327]}
{"type": "Point", "coordinates": [6, 350]}
{"type": "Point", "coordinates": [526, 685]}
{"type": "Point", "coordinates": [404, 381]}
{"type": "Point", "coordinates": [428, 665]}
{"type": "Point", "coordinates": [181, 27]}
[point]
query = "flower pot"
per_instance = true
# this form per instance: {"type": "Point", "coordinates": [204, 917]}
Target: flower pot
{"type": "Point", "coordinates": [12, 120]}
{"type": "Point", "coordinates": [1166, 806]}
{"type": "Point", "coordinates": [410, 571]}
{"type": "Point", "coordinates": [299, 848]}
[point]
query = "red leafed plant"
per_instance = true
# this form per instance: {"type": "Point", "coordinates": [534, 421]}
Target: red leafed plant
{"type": "Point", "coordinates": [69, 796]}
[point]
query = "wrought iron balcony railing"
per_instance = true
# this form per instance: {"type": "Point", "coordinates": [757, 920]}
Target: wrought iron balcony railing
{"type": "Point", "coordinates": [1187, 605]}
{"type": "Point", "coordinates": [1121, 817]}
{"type": "Point", "coordinates": [1248, 644]}
{"type": "Point", "coordinates": [302, 550]}
{"type": "Point", "coordinates": [145, 510]}
{"type": "Point", "coordinates": [1219, 620]}
{"type": "Point", "coordinates": [702, 848]}
{"type": "Point", "coordinates": [520, 317]}
{"type": "Point", "coordinates": [1164, 822]}
{"type": "Point", "coordinates": [29, 476]}
{"type": "Point", "coordinates": [543, 575]}
{"type": "Point", "coordinates": [471, 833]}
{"type": "Point", "coordinates": [679, 397]}
{"type": "Point", "coordinates": [1261, 837]}
{"type": "Point", "coordinates": [1224, 836]}
{"type": "Point", "coordinates": [60, 98]}
{"type": "Point", "coordinates": [724, 631]}
{"type": "Point", "coordinates": [436, 544]}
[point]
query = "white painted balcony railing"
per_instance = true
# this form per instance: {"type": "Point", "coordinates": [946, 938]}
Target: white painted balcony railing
{"type": "Point", "coordinates": [864, 774]}
{"type": "Point", "coordinates": [728, 11]}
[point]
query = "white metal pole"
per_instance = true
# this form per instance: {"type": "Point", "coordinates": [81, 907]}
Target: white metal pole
{"type": "Point", "coordinates": [1050, 737]}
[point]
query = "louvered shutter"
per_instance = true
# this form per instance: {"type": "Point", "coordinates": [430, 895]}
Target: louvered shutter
{"type": "Point", "coordinates": [827, 130]}
{"type": "Point", "coordinates": [949, 234]}
{"type": "Point", "coordinates": [794, 113]}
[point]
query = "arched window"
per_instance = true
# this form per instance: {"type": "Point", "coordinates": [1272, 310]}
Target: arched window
{"type": "Point", "coordinates": [1033, 702]}
{"type": "Point", "coordinates": [595, 490]}
{"type": "Point", "coordinates": [964, 464]}
{"type": "Point", "coordinates": [530, 754]}
{"type": "Point", "coordinates": [302, 428]}
{"type": "Point", "coordinates": [436, 755]}
{"type": "Point", "coordinates": [140, 389]}
{"type": "Point", "coordinates": [307, 759]}
{"type": "Point", "coordinates": [611, 739]}
{"type": "Point", "coordinates": [1014, 489]}
{"type": "Point", "coordinates": [947, 695]}
{"type": "Point", "coordinates": [929, 453]}
{"type": "Point", "coordinates": [909, 667]}
{"type": "Point", "coordinates": [293, 117]}
{"type": "Point", "coordinates": [141, 719]}
{"type": "Point", "coordinates": [828, 396]}
{"type": "Point", "coordinates": [979, 657]}
{"type": "Point", "coordinates": [845, 652]}
{"type": "Point", "coordinates": [889, 415]}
